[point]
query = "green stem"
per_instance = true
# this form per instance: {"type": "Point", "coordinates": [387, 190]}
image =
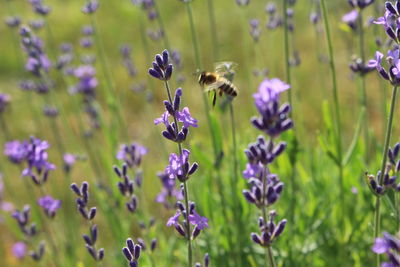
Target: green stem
{"type": "Point", "coordinates": [337, 107]}
{"type": "Point", "coordinates": [213, 29]}
{"type": "Point", "coordinates": [363, 98]}
{"type": "Point", "coordinates": [377, 223]}
{"type": "Point", "coordinates": [286, 41]}
{"type": "Point", "coordinates": [162, 28]}
{"type": "Point", "coordinates": [194, 35]}
{"type": "Point", "coordinates": [271, 257]}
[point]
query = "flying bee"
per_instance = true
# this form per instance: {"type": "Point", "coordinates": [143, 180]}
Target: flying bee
{"type": "Point", "coordinates": [218, 82]}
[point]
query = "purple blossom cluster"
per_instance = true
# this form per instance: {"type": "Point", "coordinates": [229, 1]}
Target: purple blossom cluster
{"type": "Point", "coordinates": [132, 252]}
{"type": "Point", "coordinates": [274, 119]}
{"type": "Point", "coordinates": [34, 153]}
{"type": "Point", "coordinates": [90, 7]}
{"type": "Point", "coordinates": [265, 187]}
{"type": "Point", "coordinates": [37, 61]}
{"type": "Point", "coordinates": [29, 230]}
{"type": "Point", "coordinates": [390, 22]}
{"type": "Point", "coordinates": [380, 184]}
{"type": "Point", "coordinates": [389, 245]}
{"type": "Point", "coordinates": [12, 21]}
{"type": "Point", "coordinates": [39, 7]}
{"type": "Point", "coordinates": [86, 87]}
{"type": "Point", "coordinates": [126, 187]}
{"type": "Point", "coordinates": [255, 29]}
{"type": "Point", "coordinates": [4, 101]}
{"type": "Point", "coordinates": [131, 154]}
{"type": "Point", "coordinates": [270, 231]}
{"type": "Point", "coordinates": [179, 167]}
{"type": "Point", "coordinates": [49, 205]}
{"type": "Point", "coordinates": [88, 214]}
{"type": "Point", "coordinates": [169, 194]}
{"type": "Point", "coordinates": [148, 6]}
{"type": "Point", "coordinates": [274, 19]}
{"type": "Point", "coordinates": [195, 219]}
{"type": "Point", "coordinates": [126, 53]}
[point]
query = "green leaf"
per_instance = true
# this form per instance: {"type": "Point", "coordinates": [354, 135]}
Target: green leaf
{"type": "Point", "coordinates": [353, 143]}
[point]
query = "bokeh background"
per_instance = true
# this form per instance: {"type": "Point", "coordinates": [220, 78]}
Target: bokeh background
{"type": "Point", "coordinates": [312, 238]}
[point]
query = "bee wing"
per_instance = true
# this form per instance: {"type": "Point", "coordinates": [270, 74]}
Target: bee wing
{"type": "Point", "coordinates": [214, 86]}
{"type": "Point", "coordinates": [224, 67]}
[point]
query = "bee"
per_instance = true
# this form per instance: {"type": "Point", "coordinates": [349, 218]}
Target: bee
{"type": "Point", "coordinates": [218, 82]}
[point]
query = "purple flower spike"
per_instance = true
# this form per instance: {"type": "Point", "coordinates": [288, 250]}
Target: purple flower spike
{"type": "Point", "coordinates": [185, 117]}
{"type": "Point", "coordinates": [49, 205]}
{"type": "Point", "coordinates": [19, 250]}
{"type": "Point", "coordinates": [198, 221]}
{"type": "Point", "coordinates": [90, 7]}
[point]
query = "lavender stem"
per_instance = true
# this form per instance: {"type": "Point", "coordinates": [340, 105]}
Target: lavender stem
{"type": "Point", "coordinates": [377, 222]}
{"type": "Point", "coordinates": [363, 98]}
{"type": "Point", "coordinates": [337, 106]}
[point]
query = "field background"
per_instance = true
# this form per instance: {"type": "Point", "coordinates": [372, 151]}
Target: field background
{"type": "Point", "coordinates": [313, 238]}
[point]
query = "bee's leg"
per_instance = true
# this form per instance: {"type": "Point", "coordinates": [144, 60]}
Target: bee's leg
{"type": "Point", "coordinates": [220, 92]}
{"type": "Point", "coordinates": [214, 98]}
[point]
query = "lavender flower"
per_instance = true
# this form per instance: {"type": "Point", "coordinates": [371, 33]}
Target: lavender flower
{"type": "Point", "coordinates": [394, 158]}
{"type": "Point", "coordinates": [273, 120]}
{"type": "Point", "coordinates": [19, 250]}
{"type": "Point", "coordinates": [49, 205]}
{"type": "Point", "coordinates": [269, 230]}
{"type": "Point", "coordinates": [87, 30]}
{"type": "Point", "coordinates": [39, 252]}
{"type": "Point", "coordinates": [4, 101]}
{"type": "Point", "coordinates": [37, 60]}
{"type": "Point", "coordinates": [360, 3]}
{"type": "Point", "coordinates": [126, 187]}
{"type": "Point", "coordinates": [69, 161]}
{"type": "Point", "coordinates": [39, 7]}
{"type": "Point", "coordinates": [265, 187]}
{"type": "Point", "coordinates": [242, 2]}
{"type": "Point", "coordinates": [34, 153]}
{"type": "Point", "coordinates": [179, 166]}
{"type": "Point", "coordinates": [161, 69]}
{"type": "Point", "coordinates": [50, 111]}
{"type": "Point", "coordinates": [36, 24]}
{"type": "Point", "coordinates": [131, 154]}
{"type": "Point", "coordinates": [127, 60]}
{"type": "Point", "coordinates": [389, 245]}
{"type": "Point", "coordinates": [12, 22]}
{"type": "Point", "coordinates": [132, 252]}
{"type": "Point", "coordinates": [16, 151]}
{"type": "Point", "coordinates": [88, 214]}
{"type": "Point", "coordinates": [351, 19]}
{"type": "Point", "coordinates": [90, 7]}
{"type": "Point", "coordinates": [255, 30]}
{"type": "Point", "coordinates": [23, 219]}
{"type": "Point", "coordinates": [172, 131]}
{"type": "Point", "coordinates": [87, 80]}
{"type": "Point", "coordinates": [169, 194]}
{"type": "Point", "coordinates": [358, 66]}
{"type": "Point", "coordinates": [195, 219]}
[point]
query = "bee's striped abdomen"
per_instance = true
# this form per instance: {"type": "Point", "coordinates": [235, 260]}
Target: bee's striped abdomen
{"type": "Point", "coordinates": [228, 89]}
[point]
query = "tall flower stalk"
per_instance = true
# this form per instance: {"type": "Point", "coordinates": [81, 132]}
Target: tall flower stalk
{"type": "Point", "coordinates": [265, 187]}
{"type": "Point", "coordinates": [389, 21]}
{"type": "Point", "coordinates": [179, 167]}
{"type": "Point", "coordinates": [355, 21]}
